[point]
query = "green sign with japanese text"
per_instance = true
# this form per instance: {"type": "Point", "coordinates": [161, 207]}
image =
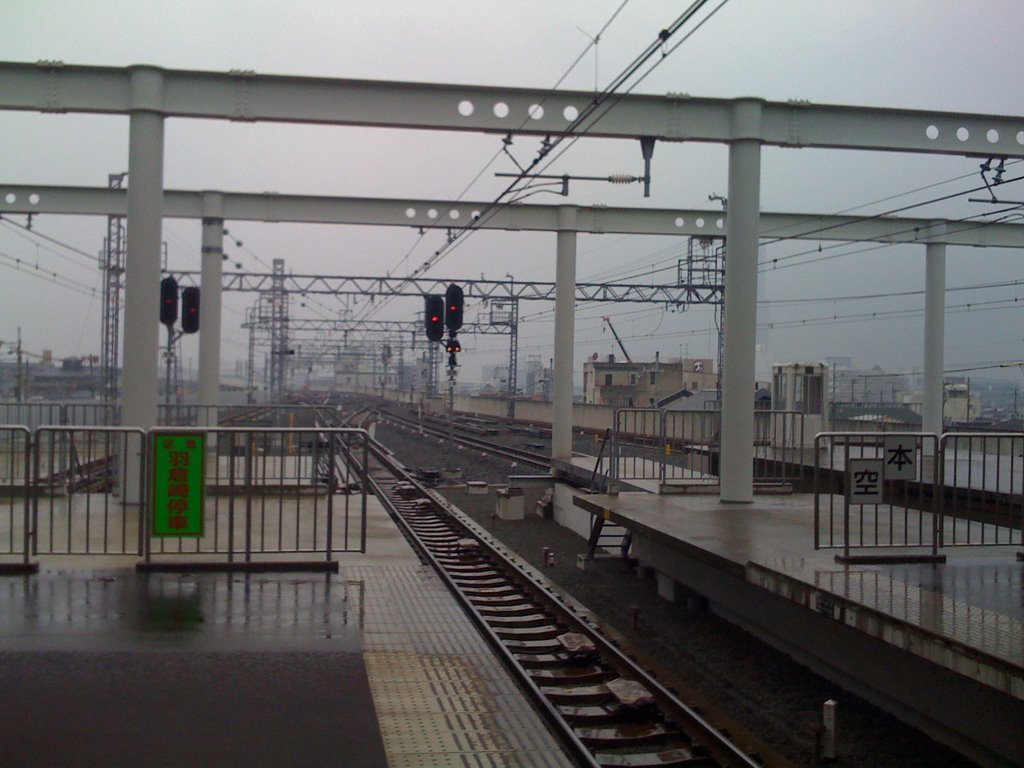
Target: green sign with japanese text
{"type": "Point", "coordinates": [178, 483]}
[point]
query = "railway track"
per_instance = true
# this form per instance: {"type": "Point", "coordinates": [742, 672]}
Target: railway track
{"type": "Point", "coordinates": [606, 709]}
{"type": "Point", "coordinates": [520, 455]}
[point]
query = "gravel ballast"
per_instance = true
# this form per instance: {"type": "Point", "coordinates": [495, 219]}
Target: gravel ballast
{"type": "Point", "coordinates": [768, 693]}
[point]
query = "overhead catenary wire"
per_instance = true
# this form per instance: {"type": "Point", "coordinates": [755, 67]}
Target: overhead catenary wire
{"type": "Point", "coordinates": [50, 276]}
{"type": "Point", "coordinates": [33, 236]}
{"type": "Point", "coordinates": [890, 212]}
{"type": "Point", "coordinates": [502, 150]}
{"type": "Point", "coordinates": [773, 264]}
{"type": "Point", "coordinates": [974, 307]}
{"type": "Point", "coordinates": [574, 127]}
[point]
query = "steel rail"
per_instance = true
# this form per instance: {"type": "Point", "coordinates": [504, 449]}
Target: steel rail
{"type": "Point", "coordinates": [675, 713]}
{"type": "Point", "coordinates": [515, 454]}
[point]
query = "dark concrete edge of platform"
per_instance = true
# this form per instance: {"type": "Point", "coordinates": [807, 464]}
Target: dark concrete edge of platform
{"type": "Point", "coordinates": [912, 687]}
{"type": "Point", "coordinates": [193, 566]}
{"type": "Point", "coordinates": [806, 595]}
{"type": "Point", "coordinates": [18, 569]}
{"type": "Point", "coordinates": [890, 559]}
{"type": "Point", "coordinates": [697, 553]}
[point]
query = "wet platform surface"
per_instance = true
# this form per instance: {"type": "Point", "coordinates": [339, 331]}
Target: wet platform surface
{"type": "Point", "coordinates": [373, 666]}
{"type": "Point", "coordinates": [975, 599]}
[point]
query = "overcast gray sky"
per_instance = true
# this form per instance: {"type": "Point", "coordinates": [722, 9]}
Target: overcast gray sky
{"type": "Point", "coordinates": [927, 54]}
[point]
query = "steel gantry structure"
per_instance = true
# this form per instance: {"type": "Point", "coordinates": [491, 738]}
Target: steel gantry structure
{"type": "Point", "coordinates": [382, 330]}
{"type": "Point", "coordinates": [504, 296]}
{"type": "Point", "coordinates": [112, 266]}
{"type": "Point", "coordinates": [151, 95]}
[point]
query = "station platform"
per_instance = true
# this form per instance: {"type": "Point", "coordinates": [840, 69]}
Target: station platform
{"type": "Point", "coordinates": [940, 645]}
{"type": "Point", "coordinates": [375, 665]}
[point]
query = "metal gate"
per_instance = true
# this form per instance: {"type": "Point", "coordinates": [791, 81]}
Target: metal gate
{"type": "Point", "coordinates": [14, 510]}
{"type": "Point", "coordinates": [963, 489]}
{"type": "Point", "coordinates": [271, 495]}
{"type": "Point", "coordinates": [276, 494]}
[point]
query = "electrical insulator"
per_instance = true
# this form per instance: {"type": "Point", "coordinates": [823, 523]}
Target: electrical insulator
{"type": "Point", "coordinates": [190, 309]}
{"type": "Point", "coordinates": [433, 316]}
{"type": "Point", "coordinates": [168, 301]}
{"type": "Point", "coordinates": [622, 178]}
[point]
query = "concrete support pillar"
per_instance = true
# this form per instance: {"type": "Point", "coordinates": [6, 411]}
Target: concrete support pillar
{"type": "Point", "coordinates": [934, 335]}
{"type": "Point", "coordinates": [565, 300]}
{"type": "Point", "coordinates": [210, 306]}
{"type": "Point", "coordinates": [142, 263]}
{"type": "Point", "coordinates": [736, 462]}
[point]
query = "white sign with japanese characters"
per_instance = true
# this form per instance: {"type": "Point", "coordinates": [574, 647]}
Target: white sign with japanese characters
{"type": "Point", "coordinates": [901, 458]}
{"type": "Point", "coordinates": [865, 480]}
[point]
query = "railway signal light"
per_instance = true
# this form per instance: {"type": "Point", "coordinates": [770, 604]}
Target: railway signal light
{"type": "Point", "coordinates": [190, 309]}
{"type": "Point", "coordinates": [452, 345]}
{"type": "Point", "coordinates": [453, 308]}
{"type": "Point", "coordinates": [168, 301]}
{"type": "Point", "coordinates": [433, 316]}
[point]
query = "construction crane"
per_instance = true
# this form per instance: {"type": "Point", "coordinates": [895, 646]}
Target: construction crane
{"type": "Point", "coordinates": [608, 320]}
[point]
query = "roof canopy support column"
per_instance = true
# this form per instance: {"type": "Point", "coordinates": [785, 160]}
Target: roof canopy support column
{"type": "Point", "coordinates": [934, 334]}
{"type": "Point", "coordinates": [737, 453]}
{"type": "Point", "coordinates": [210, 312]}
{"type": "Point", "coordinates": [142, 264]}
{"type": "Point", "coordinates": [565, 292]}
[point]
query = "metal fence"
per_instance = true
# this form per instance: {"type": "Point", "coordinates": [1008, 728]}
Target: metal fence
{"type": "Point", "coordinates": [780, 441]}
{"type": "Point", "coordinates": [983, 479]}
{"type": "Point", "coordinates": [682, 447]}
{"type": "Point", "coordinates": [31, 415]}
{"type": "Point", "coordinates": [85, 413]}
{"type": "Point", "coordinates": [271, 495]}
{"type": "Point", "coordinates": [906, 490]}
{"type": "Point", "coordinates": [86, 486]}
{"type": "Point", "coordinates": [875, 490]}
{"type": "Point", "coordinates": [638, 445]}
{"type": "Point", "coordinates": [274, 492]}
{"type": "Point", "coordinates": [14, 473]}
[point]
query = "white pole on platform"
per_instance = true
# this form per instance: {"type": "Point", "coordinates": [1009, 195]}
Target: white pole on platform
{"type": "Point", "coordinates": [142, 264]}
{"type": "Point", "coordinates": [565, 299]}
{"type": "Point", "coordinates": [934, 336]}
{"type": "Point", "coordinates": [210, 306]}
{"type": "Point", "coordinates": [736, 470]}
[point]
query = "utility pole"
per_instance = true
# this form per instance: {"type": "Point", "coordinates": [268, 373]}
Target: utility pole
{"type": "Point", "coordinates": [169, 357]}
{"type": "Point", "coordinates": [19, 382]}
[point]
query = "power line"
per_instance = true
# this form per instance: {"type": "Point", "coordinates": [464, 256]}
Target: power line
{"type": "Point", "coordinates": [974, 307]}
{"type": "Point", "coordinates": [891, 294]}
{"type": "Point", "coordinates": [573, 129]}
{"type": "Point", "coordinates": [765, 266]}
{"type": "Point", "coordinates": [50, 276]}
{"type": "Point", "coordinates": [503, 148]}
{"type": "Point", "coordinates": [910, 312]}
{"type": "Point", "coordinates": [30, 236]}
{"type": "Point", "coordinates": [943, 198]}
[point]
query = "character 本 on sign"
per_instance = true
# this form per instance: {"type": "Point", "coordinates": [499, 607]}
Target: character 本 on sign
{"type": "Point", "coordinates": [900, 458]}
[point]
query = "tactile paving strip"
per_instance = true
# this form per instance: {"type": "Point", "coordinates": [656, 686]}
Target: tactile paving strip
{"type": "Point", "coordinates": [442, 697]}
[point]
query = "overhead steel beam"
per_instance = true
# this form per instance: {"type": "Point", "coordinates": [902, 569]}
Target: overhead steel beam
{"type": "Point", "coordinates": [249, 97]}
{"type": "Point", "coordinates": [438, 214]}
{"type": "Point", "coordinates": [389, 327]}
{"type": "Point", "coordinates": [483, 290]}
